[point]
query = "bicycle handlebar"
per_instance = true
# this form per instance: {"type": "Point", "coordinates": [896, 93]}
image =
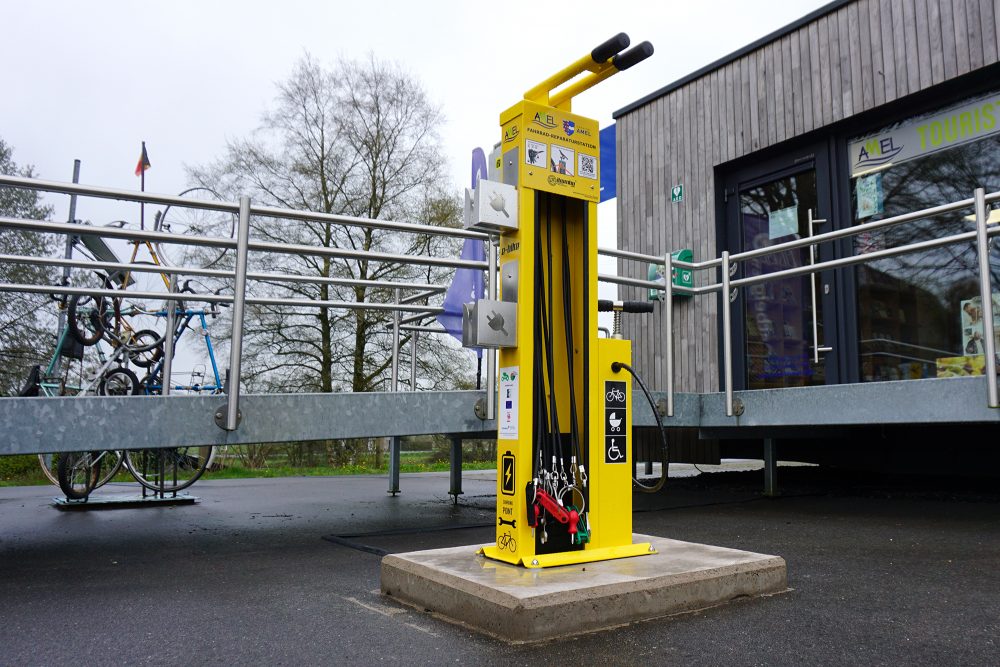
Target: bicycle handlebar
{"type": "Point", "coordinates": [610, 48]}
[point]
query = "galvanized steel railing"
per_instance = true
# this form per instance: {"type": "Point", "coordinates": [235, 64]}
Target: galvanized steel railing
{"type": "Point", "coordinates": [228, 416]}
{"type": "Point", "coordinates": [729, 286]}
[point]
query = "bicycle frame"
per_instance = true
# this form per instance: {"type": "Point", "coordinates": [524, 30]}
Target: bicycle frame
{"type": "Point", "coordinates": [51, 389]}
{"type": "Point", "coordinates": [185, 324]}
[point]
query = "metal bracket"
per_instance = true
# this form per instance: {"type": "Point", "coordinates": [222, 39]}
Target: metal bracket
{"type": "Point", "coordinates": [738, 407]}
{"type": "Point", "coordinates": [220, 417]}
{"type": "Point", "coordinates": [480, 409]}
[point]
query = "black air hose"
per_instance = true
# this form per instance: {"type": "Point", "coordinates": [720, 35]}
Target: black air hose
{"type": "Point", "coordinates": [616, 367]}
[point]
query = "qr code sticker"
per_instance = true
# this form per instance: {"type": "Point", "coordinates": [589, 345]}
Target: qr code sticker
{"type": "Point", "coordinates": [588, 166]}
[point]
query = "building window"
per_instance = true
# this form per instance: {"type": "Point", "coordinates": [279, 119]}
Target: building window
{"type": "Point", "coordinates": [920, 314]}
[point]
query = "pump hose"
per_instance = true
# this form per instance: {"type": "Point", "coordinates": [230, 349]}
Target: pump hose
{"type": "Point", "coordinates": [616, 367]}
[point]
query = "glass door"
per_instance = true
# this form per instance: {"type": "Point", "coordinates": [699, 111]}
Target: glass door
{"type": "Point", "coordinates": [784, 334]}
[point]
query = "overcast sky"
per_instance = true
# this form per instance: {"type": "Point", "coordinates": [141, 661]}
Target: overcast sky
{"type": "Point", "coordinates": [91, 80]}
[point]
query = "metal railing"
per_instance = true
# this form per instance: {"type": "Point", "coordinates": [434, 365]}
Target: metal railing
{"type": "Point", "coordinates": [729, 286]}
{"type": "Point", "coordinates": [228, 416]}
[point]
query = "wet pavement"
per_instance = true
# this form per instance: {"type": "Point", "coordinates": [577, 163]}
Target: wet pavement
{"type": "Point", "coordinates": [882, 572]}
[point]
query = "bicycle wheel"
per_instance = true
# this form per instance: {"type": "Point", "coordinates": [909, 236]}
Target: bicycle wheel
{"type": "Point", "coordinates": [145, 348]}
{"type": "Point", "coordinates": [186, 221]}
{"type": "Point", "coordinates": [110, 465]}
{"type": "Point", "coordinates": [85, 316]}
{"type": "Point", "coordinates": [150, 385]}
{"type": "Point", "coordinates": [79, 473]}
{"type": "Point", "coordinates": [128, 317]}
{"type": "Point", "coordinates": [118, 382]}
{"type": "Point", "coordinates": [170, 469]}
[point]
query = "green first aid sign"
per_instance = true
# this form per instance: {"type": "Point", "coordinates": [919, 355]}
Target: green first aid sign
{"type": "Point", "coordinates": [677, 193]}
{"type": "Point", "coordinates": [680, 277]}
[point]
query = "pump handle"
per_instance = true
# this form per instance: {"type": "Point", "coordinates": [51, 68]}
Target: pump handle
{"type": "Point", "coordinates": [607, 306]}
{"type": "Point", "coordinates": [613, 46]}
{"type": "Point", "coordinates": [633, 56]}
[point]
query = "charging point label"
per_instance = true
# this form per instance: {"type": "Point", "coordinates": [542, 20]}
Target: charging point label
{"type": "Point", "coordinates": [615, 422]}
{"type": "Point", "coordinates": [507, 474]}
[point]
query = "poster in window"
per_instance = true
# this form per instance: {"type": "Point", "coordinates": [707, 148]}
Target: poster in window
{"type": "Point", "coordinates": [783, 222]}
{"type": "Point", "coordinates": [869, 194]}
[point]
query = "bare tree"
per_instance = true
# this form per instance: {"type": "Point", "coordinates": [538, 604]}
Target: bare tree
{"type": "Point", "coordinates": [359, 139]}
{"type": "Point", "coordinates": [26, 333]}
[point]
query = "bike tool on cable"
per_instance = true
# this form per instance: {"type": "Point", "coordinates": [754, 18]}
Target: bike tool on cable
{"type": "Point", "coordinates": [564, 482]}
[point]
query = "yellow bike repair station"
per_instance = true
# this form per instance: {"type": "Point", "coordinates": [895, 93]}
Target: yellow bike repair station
{"type": "Point", "coordinates": [564, 470]}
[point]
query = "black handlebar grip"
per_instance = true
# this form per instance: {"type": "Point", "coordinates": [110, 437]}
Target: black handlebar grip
{"type": "Point", "coordinates": [633, 56]}
{"type": "Point", "coordinates": [637, 306]}
{"type": "Point", "coordinates": [615, 45]}
{"type": "Point", "coordinates": [607, 306]}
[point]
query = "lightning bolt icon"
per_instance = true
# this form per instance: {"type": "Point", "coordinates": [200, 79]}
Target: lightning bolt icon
{"type": "Point", "coordinates": [507, 474]}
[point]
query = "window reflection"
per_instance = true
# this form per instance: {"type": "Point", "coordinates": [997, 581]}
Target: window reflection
{"type": "Point", "coordinates": [917, 311]}
{"type": "Point", "coordinates": [778, 313]}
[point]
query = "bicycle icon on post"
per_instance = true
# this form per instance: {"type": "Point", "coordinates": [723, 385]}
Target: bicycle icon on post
{"type": "Point", "coordinates": [615, 395]}
{"type": "Point", "coordinates": [507, 541]}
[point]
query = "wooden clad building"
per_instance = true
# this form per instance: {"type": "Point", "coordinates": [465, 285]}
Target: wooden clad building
{"type": "Point", "coordinates": [786, 127]}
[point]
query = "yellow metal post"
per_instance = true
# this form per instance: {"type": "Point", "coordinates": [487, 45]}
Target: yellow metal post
{"type": "Point", "coordinates": [564, 428]}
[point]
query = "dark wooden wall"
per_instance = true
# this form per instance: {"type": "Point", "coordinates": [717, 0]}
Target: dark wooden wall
{"type": "Point", "coordinates": [857, 57]}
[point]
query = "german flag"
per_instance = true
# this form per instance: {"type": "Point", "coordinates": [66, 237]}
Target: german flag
{"type": "Point", "coordinates": [143, 164]}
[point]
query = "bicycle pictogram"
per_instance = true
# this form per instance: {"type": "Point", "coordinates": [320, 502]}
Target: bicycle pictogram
{"type": "Point", "coordinates": [616, 395]}
{"type": "Point", "coordinates": [507, 541]}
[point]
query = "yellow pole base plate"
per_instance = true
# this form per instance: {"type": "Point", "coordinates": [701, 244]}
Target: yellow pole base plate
{"type": "Point", "coordinates": [570, 557]}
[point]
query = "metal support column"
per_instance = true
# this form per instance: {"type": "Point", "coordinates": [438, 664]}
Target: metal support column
{"type": "Point", "coordinates": [986, 293]}
{"type": "Point", "coordinates": [230, 418]}
{"type": "Point", "coordinates": [395, 442]}
{"type": "Point", "coordinates": [770, 468]}
{"type": "Point", "coordinates": [413, 360]}
{"type": "Point", "coordinates": [727, 336]}
{"type": "Point", "coordinates": [668, 307]}
{"type": "Point", "coordinates": [70, 238]}
{"type": "Point", "coordinates": [395, 445]}
{"type": "Point", "coordinates": [168, 341]}
{"type": "Point", "coordinates": [456, 469]}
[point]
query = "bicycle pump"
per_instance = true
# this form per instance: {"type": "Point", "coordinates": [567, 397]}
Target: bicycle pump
{"type": "Point", "coordinates": [564, 482]}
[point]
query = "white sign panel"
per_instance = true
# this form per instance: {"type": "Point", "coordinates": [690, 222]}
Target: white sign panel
{"type": "Point", "coordinates": [926, 134]}
{"type": "Point", "coordinates": [507, 418]}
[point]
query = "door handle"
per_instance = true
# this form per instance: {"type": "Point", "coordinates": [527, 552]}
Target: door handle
{"type": "Point", "coordinates": [817, 346]}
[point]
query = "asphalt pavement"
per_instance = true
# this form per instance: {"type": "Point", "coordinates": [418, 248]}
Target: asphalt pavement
{"type": "Point", "coordinates": [882, 571]}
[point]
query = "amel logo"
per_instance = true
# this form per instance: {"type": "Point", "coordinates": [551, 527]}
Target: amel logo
{"type": "Point", "coordinates": [510, 134]}
{"type": "Point", "coordinates": [876, 152]}
{"type": "Point", "coordinates": [545, 120]}
{"type": "Point", "coordinates": [569, 127]}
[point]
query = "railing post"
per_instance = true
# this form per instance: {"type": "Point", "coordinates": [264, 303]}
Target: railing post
{"type": "Point", "coordinates": [413, 360]}
{"type": "Point", "coordinates": [168, 341]}
{"type": "Point", "coordinates": [668, 305]}
{"type": "Point", "coordinates": [232, 416]}
{"type": "Point", "coordinates": [395, 442]}
{"type": "Point", "coordinates": [986, 292]}
{"type": "Point", "coordinates": [394, 386]}
{"type": "Point", "coordinates": [491, 355]}
{"type": "Point", "coordinates": [66, 272]}
{"type": "Point", "coordinates": [727, 335]}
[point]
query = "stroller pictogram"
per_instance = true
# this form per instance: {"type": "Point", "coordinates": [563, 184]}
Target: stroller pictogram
{"type": "Point", "coordinates": [616, 424]}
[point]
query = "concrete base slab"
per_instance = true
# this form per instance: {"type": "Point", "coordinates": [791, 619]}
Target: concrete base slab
{"type": "Point", "coordinates": [117, 501]}
{"type": "Point", "coordinates": [524, 605]}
